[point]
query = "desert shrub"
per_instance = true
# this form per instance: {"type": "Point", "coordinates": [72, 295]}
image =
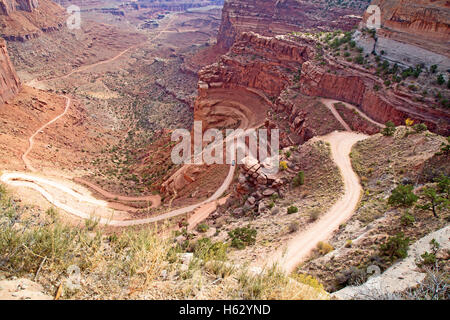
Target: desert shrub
{"type": "Point", "coordinates": [202, 228]}
{"type": "Point", "coordinates": [348, 243]}
{"type": "Point", "coordinates": [359, 59]}
{"type": "Point", "coordinates": [351, 277]}
{"type": "Point", "coordinates": [293, 227]}
{"type": "Point", "coordinates": [206, 250]}
{"type": "Point", "coordinates": [283, 165]}
{"type": "Point", "coordinates": [445, 148]}
{"type": "Point", "coordinates": [428, 258]}
{"type": "Point", "coordinates": [396, 247]}
{"type": "Point", "coordinates": [407, 219]}
{"type": "Point", "coordinates": [389, 130]}
{"type": "Point", "coordinates": [299, 179]}
{"type": "Point", "coordinates": [420, 127]}
{"type": "Point", "coordinates": [314, 214]}
{"type": "Point", "coordinates": [440, 79]}
{"type": "Point", "coordinates": [403, 196]}
{"type": "Point", "coordinates": [242, 237]}
{"type": "Point", "coordinates": [220, 268]}
{"type": "Point", "coordinates": [444, 185]}
{"type": "Point", "coordinates": [324, 247]}
{"type": "Point", "coordinates": [309, 281]}
{"type": "Point", "coordinates": [434, 201]}
{"type": "Point", "coordinates": [292, 210]}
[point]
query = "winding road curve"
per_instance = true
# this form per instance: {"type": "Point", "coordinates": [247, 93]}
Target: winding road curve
{"type": "Point", "coordinates": [31, 139]}
{"type": "Point", "coordinates": [298, 248]}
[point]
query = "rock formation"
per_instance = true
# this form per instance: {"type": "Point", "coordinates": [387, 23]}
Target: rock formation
{"type": "Point", "coordinates": [269, 65]}
{"type": "Point", "coordinates": [272, 17]}
{"type": "Point", "coordinates": [9, 82]}
{"type": "Point", "coordinates": [412, 32]}
{"type": "Point", "coordinates": [9, 6]}
{"type": "Point", "coordinates": [21, 20]}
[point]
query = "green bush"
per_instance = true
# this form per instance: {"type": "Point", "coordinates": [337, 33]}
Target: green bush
{"type": "Point", "coordinates": [206, 250]}
{"type": "Point", "coordinates": [403, 196]}
{"type": "Point", "coordinates": [434, 68]}
{"type": "Point", "coordinates": [292, 210]}
{"type": "Point", "coordinates": [420, 127]}
{"type": "Point", "coordinates": [389, 130]}
{"type": "Point", "coordinates": [299, 180]}
{"type": "Point", "coordinates": [202, 228]}
{"type": "Point", "coordinates": [396, 247]}
{"type": "Point", "coordinates": [242, 237]}
{"type": "Point", "coordinates": [428, 258]}
{"type": "Point", "coordinates": [407, 219]}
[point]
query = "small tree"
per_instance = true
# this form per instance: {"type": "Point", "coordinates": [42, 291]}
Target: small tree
{"type": "Point", "coordinates": [444, 185]}
{"type": "Point", "coordinates": [396, 247]}
{"type": "Point", "coordinates": [440, 80]}
{"type": "Point", "coordinates": [389, 130]}
{"type": "Point", "coordinates": [292, 209]}
{"type": "Point", "coordinates": [403, 196]}
{"type": "Point", "coordinates": [434, 201]}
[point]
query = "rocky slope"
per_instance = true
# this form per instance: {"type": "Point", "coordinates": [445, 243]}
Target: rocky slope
{"type": "Point", "coordinates": [271, 17]}
{"type": "Point", "coordinates": [413, 32]}
{"type": "Point", "coordinates": [9, 82]}
{"type": "Point", "coordinates": [21, 20]}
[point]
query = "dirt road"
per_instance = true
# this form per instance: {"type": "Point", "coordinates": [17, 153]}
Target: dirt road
{"type": "Point", "coordinates": [38, 184]}
{"type": "Point", "coordinates": [31, 139]}
{"type": "Point", "coordinates": [299, 247]}
{"type": "Point", "coordinates": [329, 103]}
{"type": "Point", "coordinates": [35, 82]}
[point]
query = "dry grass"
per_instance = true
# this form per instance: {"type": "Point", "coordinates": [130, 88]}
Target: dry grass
{"type": "Point", "coordinates": [132, 264]}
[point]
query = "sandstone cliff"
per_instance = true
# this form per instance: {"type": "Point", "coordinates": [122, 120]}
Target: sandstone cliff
{"type": "Point", "coordinates": [9, 82]}
{"type": "Point", "coordinates": [9, 6]}
{"type": "Point", "coordinates": [271, 17]}
{"type": "Point", "coordinates": [21, 20]}
{"type": "Point", "coordinates": [413, 32]}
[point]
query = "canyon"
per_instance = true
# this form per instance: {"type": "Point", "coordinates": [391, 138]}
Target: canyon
{"type": "Point", "coordinates": [268, 64]}
{"type": "Point", "coordinates": [87, 116]}
{"type": "Point", "coordinates": [272, 17]}
{"type": "Point", "coordinates": [21, 20]}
